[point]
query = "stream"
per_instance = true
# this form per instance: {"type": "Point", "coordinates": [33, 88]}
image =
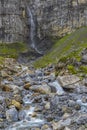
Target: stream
{"type": "Point", "coordinates": [35, 100]}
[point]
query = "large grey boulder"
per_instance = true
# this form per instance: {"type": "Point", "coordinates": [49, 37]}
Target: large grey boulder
{"type": "Point", "coordinates": [68, 81]}
{"type": "Point", "coordinates": [12, 114]}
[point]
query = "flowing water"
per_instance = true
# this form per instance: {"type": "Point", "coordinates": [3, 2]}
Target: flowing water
{"type": "Point", "coordinates": [28, 120]}
{"type": "Point", "coordinates": [32, 30]}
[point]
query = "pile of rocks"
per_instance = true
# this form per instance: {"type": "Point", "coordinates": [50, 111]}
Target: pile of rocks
{"type": "Point", "coordinates": [36, 99]}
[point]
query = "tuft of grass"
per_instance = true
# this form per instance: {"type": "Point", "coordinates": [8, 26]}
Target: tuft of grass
{"type": "Point", "coordinates": [72, 69]}
{"type": "Point", "coordinates": [1, 60]}
{"type": "Point", "coordinates": [69, 46]}
{"type": "Point", "coordinates": [12, 50]}
{"type": "Point", "coordinates": [83, 69]}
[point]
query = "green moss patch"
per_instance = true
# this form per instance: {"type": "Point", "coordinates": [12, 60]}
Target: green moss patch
{"type": "Point", "coordinates": [12, 50]}
{"type": "Point", "coordinates": [72, 69]}
{"type": "Point", "coordinates": [83, 69]}
{"type": "Point", "coordinates": [1, 60]}
{"type": "Point", "coordinates": [69, 46]}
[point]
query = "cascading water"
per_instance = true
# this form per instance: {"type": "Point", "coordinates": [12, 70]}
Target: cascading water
{"type": "Point", "coordinates": [32, 30]}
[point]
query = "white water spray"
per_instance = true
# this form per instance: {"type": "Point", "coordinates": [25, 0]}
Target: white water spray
{"type": "Point", "coordinates": [32, 30]}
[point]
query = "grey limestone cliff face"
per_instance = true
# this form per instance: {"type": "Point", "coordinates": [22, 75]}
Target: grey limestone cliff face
{"type": "Point", "coordinates": [53, 18]}
{"type": "Point", "coordinates": [12, 23]}
{"type": "Point", "coordinates": [58, 17]}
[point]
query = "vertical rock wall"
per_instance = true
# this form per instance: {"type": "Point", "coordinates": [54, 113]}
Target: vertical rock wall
{"type": "Point", "coordinates": [53, 18]}
{"type": "Point", "coordinates": [58, 17]}
{"type": "Point", "coordinates": [12, 22]}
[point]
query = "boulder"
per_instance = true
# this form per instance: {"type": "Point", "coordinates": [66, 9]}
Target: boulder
{"type": "Point", "coordinates": [16, 104]}
{"type": "Point", "coordinates": [27, 86]}
{"type": "Point", "coordinates": [84, 59]}
{"type": "Point", "coordinates": [47, 106]}
{"type": "Point", "coordinates": [45, 127]}
{"type": "Point", "coordinates": [56, 87]}
{"type": "Point", "coordinates": [10, 88]}
{"type": "Point", "coordinates": [61, 124]}
{"type": "Point", "coordinates": [4, 74]}
{"type": "Point", "coordinates": [43, 89]}
{"type": "Point", "coordinates": [12, 114]}
{"type": "Point", "coordinates": [22, 115]}
{"type": "Point", "coordinates": [68, 81]}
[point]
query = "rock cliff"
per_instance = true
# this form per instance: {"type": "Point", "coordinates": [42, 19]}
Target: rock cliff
{"type": "Point", "coordinates": [53, 18]}
{"type": "Point", "coordinates": [12, 23]}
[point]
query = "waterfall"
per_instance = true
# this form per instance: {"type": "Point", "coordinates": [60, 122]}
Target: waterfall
{"type": "Point", "coordinates": [32, 30]}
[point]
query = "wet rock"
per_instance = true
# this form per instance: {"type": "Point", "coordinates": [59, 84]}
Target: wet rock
{"type": "Point", "coordinates": [18, 98]}
{"type": "Point", "coordinates": [46, 73]}
{"type": "Point", "coordinates": [2, 125]}
{"type": "Point", "coordinates": [66, 109]}
{"type": "Point", "coordinates": [66, 115]}
{"type": "Point", "coordinates": [77, 107]}
{"type": "Point", "coordinates": [66, 128]}
{"type": "Point", "coordinates": [16, 104]}
{"type": "Point", "coordinates": [8, 102]}
{"type": "Point", "coordinates": [47, 106]}
{"type": "Point", "coordinates": [1, 99]}
{"type": "Point", "coordinates": [49, 118]}
{"type": "Point", "coordinates": [12, 115]}
{"type": "Point", "coordinates": [27, 86]}
{"type": "Point", "coordinates": [82, 128]}
{"type": "Point", "coordinates": [71, 103]}
{"type": "Point", "coordinates": [22, 115]}
{"type": "Point", "coordinates": [44, 89]}
{"type": "Point", "coordinates": [35, 129]}
{"type": "Point", "coordinates": [82, 119]}
{"type": "Point", "coordinates": [38, 109]}
{"type": "Point", "coordinates": [45, 127]}
{"type": "Point", "coordinates": [85, 82]}
{"type": "Point", "coordinates": [4, 74]}
{"type": "Point", "coordinates": [6, 88]}
{"type": "Point", "coordinates": [84, 59]}
{"type": "Point", "coordinates": [56, 86]}
{"type": "Point", "coordinates": [1, 120]}
{"type": "Point", "coordinates": [67, 81]}
{"type": "Point", "coordinates": [39, 72]}
{"type": "Point", "coordinates": [34, 114]}
{"type": "Point", "coordinates": [61, 124]}
{"type": "Point", "coordinates": [11, 88]}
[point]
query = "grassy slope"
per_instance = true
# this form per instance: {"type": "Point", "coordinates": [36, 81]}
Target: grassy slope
{"type": "Point", "coordinates": [69, 46]}
{"type": "Point", "coordinates": [12, 50]}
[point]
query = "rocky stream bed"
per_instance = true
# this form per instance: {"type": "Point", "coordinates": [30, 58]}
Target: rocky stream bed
{"type": "Point", "coordinates": [38, 100]}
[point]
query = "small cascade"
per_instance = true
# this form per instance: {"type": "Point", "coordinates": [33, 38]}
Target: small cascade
{"type": "Point", "coordinates": [82, 105]}
{"type": "Point", "coordinates": [32, 30]}
{"type": "Point", "coordinates": [28, 120]}
{"type": "Point", "coordinates": [57, 86]}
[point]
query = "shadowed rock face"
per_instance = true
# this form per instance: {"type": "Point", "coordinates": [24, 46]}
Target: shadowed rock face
{"type": "Point", "coordinates": [53, 18]}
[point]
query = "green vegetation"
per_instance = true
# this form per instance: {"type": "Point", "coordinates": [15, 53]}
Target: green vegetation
{"type": "Point", "coordinates": [83, 69]}
{"type": "Point", "coordinates": [1, 60]}
{"type": "Point", "coordinates": [12, 50]}
{"type": "Point", "coordinates": [69, 46]}
{"type": "Point", "coordinates": [72, 69]}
